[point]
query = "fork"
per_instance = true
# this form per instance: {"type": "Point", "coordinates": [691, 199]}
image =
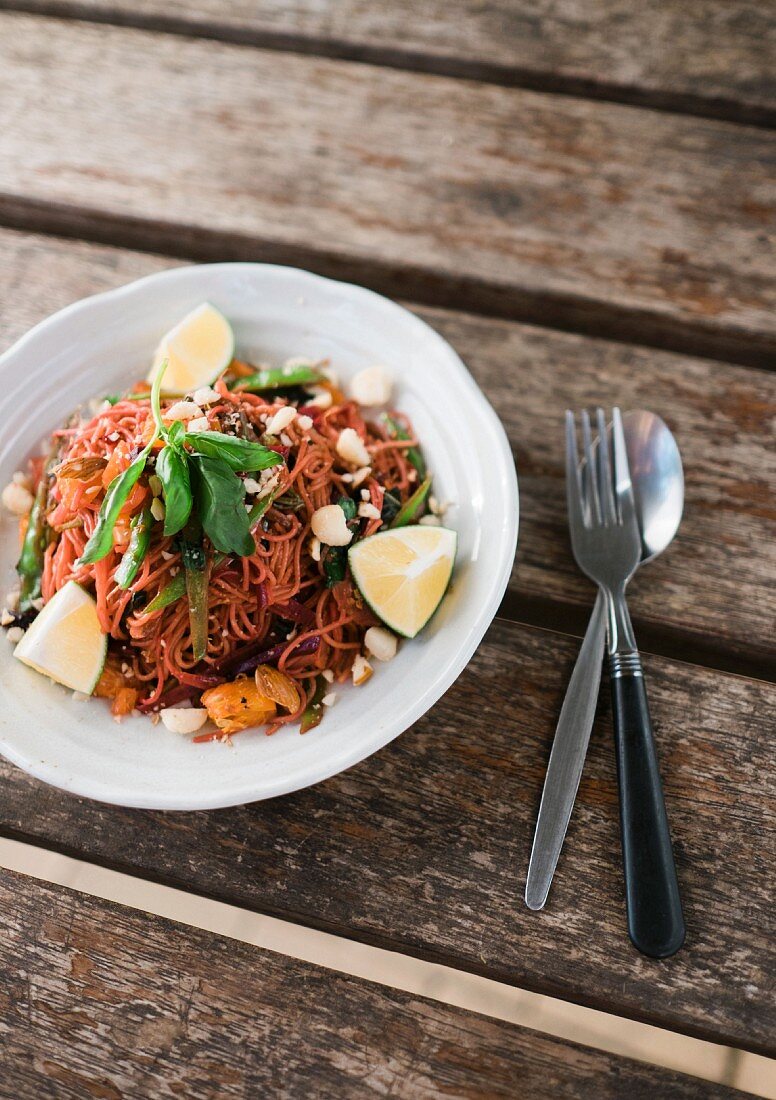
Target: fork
{"type": "Point", "coordinates": [607, 546]}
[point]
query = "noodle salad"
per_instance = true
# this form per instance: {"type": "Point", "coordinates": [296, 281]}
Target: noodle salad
{"type": "Point", "coordinates": [225, 556]}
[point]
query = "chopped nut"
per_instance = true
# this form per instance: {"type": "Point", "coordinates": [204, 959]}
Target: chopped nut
{"type": "Point", "coordinates": [12, 599]}
{"type": "Point", "coordinates": [182, 410]}
{"type": "Point", "coordinates": [157, 509]}
{"type": "Point", "coordinates": [361, 670]}
{"type": "Point", "coordinates": [328, 675]}
{"type": "Point", "coordinates": [371, 386]}
{"type": "Point", "coordinates": [430, 521]}
{"type": "Point", "coordinates": [330, 699]}
{"type": "Point", "coordinates": [183, 720]}
{"type": "Point", "coordinates": [436, 507]}
{"type": "Point", "coordinates": [198, 424]}
{"type": "Point", "coordinates": [322, 399]}
{"type": "Point", "coordinates": [315, 549]}
{"type": "Point", "coordinates": [155, 485]}
{"type": "Point", "coordinates": [14, 634]}
{"type": "Point", "coordinates": [380, 643]}
{"type": "Point", "coordinates": [365, 494]}
{"type": "Point", "coordinates": [22, 479]}
{"type": "Point", "coordinates": [17, 499]}
{"type": "Point", "coordinates": [206, 395]}
{"type": "Point", "coordinates": [367, 510]}
{"type": "Point", "coordinates": [329, 525]}
{"type": "Point", "coordinates": [361, 475]}
{"type": "Point", "coordinates": [6, 618]}
{"type": "Point", "coordinates": [252, 486]}
{"type": "Point", "coordinates": [350, 447]}
{"type": "Point", "coordinates": [304, 422]}
{"type": "Point", "coordinates": [281, 420]}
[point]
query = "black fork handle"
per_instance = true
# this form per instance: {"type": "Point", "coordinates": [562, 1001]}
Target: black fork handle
{"type": "Point", "coordinates": [655, 921]}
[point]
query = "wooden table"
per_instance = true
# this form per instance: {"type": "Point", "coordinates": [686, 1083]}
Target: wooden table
{"type": "Point", "coordinates": [581, 202]}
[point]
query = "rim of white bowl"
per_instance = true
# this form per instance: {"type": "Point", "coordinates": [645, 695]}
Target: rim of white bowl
{"type": "Point", "coordinates": [450, 669]}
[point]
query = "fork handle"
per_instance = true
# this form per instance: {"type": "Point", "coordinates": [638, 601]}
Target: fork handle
{"type": "Point", "coordinates": [655, 921]}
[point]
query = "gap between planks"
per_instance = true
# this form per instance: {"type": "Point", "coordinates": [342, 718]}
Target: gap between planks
{"type": "Point", "coordinates": [559, 617]}
{"type": "Point", "coordinates": [546, 81]}
{"type": "Point", "coordinates": [424, 286]}
{"type": "Point", "coordinates": [590, 1027]}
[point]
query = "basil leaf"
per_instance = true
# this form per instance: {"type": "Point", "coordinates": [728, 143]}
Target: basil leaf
{"type": "Point", "coordinates": [176, 432]}
{"type": "Point", "coordinates": [277, 379]}
{"type": "Point", "coordinates": [101, 542]}
{"type": "Point", "coordinates": [220, 498]}
{"type": "Point", "coordinates": [349, 507]}
{"type": "Point", "coordinates": [172, 469]}
{"type": "Point", "coordinates": [239, 454]}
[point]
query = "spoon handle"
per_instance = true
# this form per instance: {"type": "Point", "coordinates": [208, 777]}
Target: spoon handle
{"type": "Point", "coordinates": [655, 921]}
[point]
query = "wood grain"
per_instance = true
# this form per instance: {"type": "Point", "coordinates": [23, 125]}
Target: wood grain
{"type": "Point", "coordinates": [714, 60]}
{"type": "Point", "coordinates": [713, 590]}
{"type": "Point", "coordinates": [622, 223]}
{"type": "Point", "coordinates": [423, 849]}
{"type": "Point", "coordinates": [99, 1000]}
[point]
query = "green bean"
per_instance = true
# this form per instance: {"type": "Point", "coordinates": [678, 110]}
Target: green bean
{"type": "Point", "coordinates": [413, 507]}
{"type": "Point", "coordinates": [134, 555]}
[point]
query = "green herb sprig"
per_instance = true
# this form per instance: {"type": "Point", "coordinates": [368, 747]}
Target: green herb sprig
{"type": "Point", "coordinates": [197, 471]}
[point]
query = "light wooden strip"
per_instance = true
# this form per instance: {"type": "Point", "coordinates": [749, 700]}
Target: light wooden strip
{"type": "Point", "coordinates": [423, 849]}
{"type": "Point", "coordinates": [626, 223]}
{"type": "Point", "coordinates": [714, 60]}
{"type": "Point", "coordinates": [472, 993]}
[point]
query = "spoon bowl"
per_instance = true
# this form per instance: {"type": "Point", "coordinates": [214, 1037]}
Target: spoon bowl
{"type": "Point", "coordinates": [658, 480]}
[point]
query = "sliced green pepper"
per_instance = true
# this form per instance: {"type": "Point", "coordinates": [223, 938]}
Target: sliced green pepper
{"type": "Point", "coordinates": [196, 578]}
{"type": "Point", "coordinates": [30, 563]}
{"type": "Point", "coordinates": [134, 555]}
{"type": "Point", "coordinates": [277, 379]}
{"type": "Point", "coordinates": [412, 509]}
{"type": "Point", "coordinates": [313, 712]}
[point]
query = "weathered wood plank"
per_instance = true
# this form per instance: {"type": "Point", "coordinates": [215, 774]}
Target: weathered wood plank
{"type": "Point", "coordinates": [715, 61]}
{"type": "Point", "coordinates": [99, 1000]}
{"type": "Point", "coordinates": [423, 848]}
{"type": "Point", "coordinates": [623, 223]}
{"type": "Point", "coordinates": [712, 589]}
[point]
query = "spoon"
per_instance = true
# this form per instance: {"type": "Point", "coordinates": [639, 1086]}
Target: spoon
{"type": "Point", "coordinates": [658, 490]}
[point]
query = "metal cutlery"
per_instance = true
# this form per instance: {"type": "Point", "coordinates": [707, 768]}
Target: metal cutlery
{"type": "Point", "coordinates": [607, 546]}
{"type": "Point", "coordinates": [658, 489]}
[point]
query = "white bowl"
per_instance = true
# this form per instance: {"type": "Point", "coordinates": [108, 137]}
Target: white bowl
{"type": "Point", "coordinates": [105, 342]}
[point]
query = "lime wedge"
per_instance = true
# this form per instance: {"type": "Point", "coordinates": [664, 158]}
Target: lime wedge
{"type": "Point", "coordinates": [404, 573]}
{"type": "Point", "coordinates": [197, 350]}
{"type": "Point", "coordinates": [65, 641]}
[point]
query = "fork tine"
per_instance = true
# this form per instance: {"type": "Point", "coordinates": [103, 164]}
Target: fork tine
{"type": "Point", "coordinates": [622, 478]}
{"type": "Point", "coordinates": [605, 487]}
{"type": "Point", "coordinates": [573, 482]}
{"type": "Point", "coordinates": [589, 481]}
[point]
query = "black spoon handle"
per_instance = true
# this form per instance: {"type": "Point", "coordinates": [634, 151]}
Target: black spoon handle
{"type": "Point", "coordinates": [655, 921]}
